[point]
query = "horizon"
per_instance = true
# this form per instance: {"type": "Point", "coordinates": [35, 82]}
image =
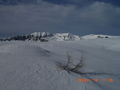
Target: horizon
{"type": "Point", "coordinates": [54, 33]}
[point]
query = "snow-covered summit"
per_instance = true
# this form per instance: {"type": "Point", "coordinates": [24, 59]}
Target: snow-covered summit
{"type": "Point", "coordinates": [55, 36]}
{"type": "Point", "coordinates": [41, 34]}
{"type": "Point", "coordinates": [65, 37]}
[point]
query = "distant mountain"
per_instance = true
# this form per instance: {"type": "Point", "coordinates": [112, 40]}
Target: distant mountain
{"type": "Point", "coordinates": [44, 36]}
{"type": "Point", "coordinates": [56, 36]}
{"type": "Point", "coordinates": [65, 37]}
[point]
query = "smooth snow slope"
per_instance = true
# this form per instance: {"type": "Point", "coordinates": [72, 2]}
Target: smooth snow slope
{"type": "Point", "coordinates": [32, 65]}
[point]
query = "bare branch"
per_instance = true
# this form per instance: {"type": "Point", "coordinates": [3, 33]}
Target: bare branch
{"type": "Point", "coordinates": [79, 65]}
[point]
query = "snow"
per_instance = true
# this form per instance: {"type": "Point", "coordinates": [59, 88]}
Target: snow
{"type": "Point", "coordinates": [65, 37]}
{"type": "Point", "coordinates": [31, 65]}
{"type": "Point", "coordinates": [93, 36]}
{"type": "Point", "coordinates": [39, 36]}
{"type": "Point", "coordinates": [42, 34]}
{"type": "Point", "coordinates": [56, 36]}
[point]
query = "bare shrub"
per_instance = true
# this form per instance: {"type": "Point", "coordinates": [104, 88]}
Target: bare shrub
{"type": "Point", "coordinates": [69, 65]}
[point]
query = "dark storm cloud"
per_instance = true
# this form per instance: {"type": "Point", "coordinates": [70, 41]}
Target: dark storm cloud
{"type": "Point", "coordinates": [83, 2]}
{"type": "Point", "coordinates": [64, 2]}
{"type": "Point", "coordinates": [97, 18]}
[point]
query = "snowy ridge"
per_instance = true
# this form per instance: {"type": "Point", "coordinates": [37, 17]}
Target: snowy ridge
{"type": "Point", "coordinates": [65, 37]}
{"type": "Point", "coordinates": [56, 36]}
{"type": "Point", "coordinates": [93, 36]}
{"type": "Point", "coordinates": [68, 36]}
{"type": "Point", "coordinates": [46, 36]}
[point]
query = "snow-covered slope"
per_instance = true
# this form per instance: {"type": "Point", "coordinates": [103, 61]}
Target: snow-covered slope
{"type": "Point", "coordinates": [99, 36]}
{"type": "Point", "coordinates": [92, 36]}
{"type": "Point", "coordinates": [29, 65]}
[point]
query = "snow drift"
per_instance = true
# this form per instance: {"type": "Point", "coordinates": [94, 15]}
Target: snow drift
{"type": "Point", "coordinates": [29, 65]}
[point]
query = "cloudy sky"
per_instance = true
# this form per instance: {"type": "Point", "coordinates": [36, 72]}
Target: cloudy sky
{"type": "Point", "coordinates": [75, 16]}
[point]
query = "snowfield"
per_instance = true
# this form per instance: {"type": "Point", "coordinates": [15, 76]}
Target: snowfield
{"type": "Point", "coordinates": [32, 65]}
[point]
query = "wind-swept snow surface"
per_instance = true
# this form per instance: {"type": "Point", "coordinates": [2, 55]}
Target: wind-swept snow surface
{"type": "Point", "coordinates": [30, 65]}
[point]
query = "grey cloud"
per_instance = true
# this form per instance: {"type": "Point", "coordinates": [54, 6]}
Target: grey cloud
{"type": "Point", "coordinates": [95, 18]}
